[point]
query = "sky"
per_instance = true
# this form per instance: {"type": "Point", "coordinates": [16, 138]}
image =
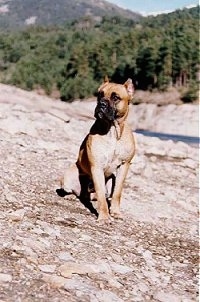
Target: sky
{"type": "Point", "coordinates": [154, 7]}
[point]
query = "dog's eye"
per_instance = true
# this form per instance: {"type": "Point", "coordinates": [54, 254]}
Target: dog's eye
{"type": "Point", "coordinates": [115, 97]}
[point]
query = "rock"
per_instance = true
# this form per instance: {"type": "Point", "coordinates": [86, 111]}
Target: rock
{"type": "Point", "coordinates": [190, 163]}
{"type": "Point", "coordinates": [166, 297]}
{"type": "Point", "coordinates": [5, 277]}
{"type": "Point", "coordinates": [47, 268]}
{"type": "Point", "coordinates": [138, 164]}
{"type": "Point", "coordinates": [107, 296]}
{"type": "Point", "coordinates": [177, 153]}
{"type": "Point", "coordinates": [54, 280]}
{"type": "Point", "coordinates": [79, 286]}
{"type": "Point", "coordinates": [69, 268]}
{"type": "Point", "coordinates": [152, 275]}
{"type": "Point", "coordinates": [147, 255]}
{"type": "Point", "coordinates": [179, 150]}
{"type": "Point", "coordinates": [34, 244]}
{"type": "Point", "coordinates": [112, 281]}
{"type": "Point", "coordinates": [17, 126]}
{"type": "Point", "coordinates": [120, 269]}
{"type": "Point", "coordinates": [51, 231]}
{"type": "Point", "coordinates": [66, 256]}
{"type": "Point", "coordinates": [147, 172]}
{"type": "Point", "coordinates": [173, 119]}
{"type": "Point", "coordinates": [117, 258]}
{"type": "Point", "coordinates": [85, 237]}
{"type": "Point", "coordinates": [11, 198]}
{"type": "Point", "coordinates": [156, 150]}
{"type": "Point", "coordinates": [143, 287]}
{"type": "Point", "coordinates": [101, 266]}
{"type": "Point", "coordinates": [17, 215]}
{"type": "Point", "coordinates": [57, 251]}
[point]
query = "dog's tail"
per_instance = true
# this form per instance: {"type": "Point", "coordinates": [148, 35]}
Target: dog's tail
{"type": "Point", "coordinates": [61, 192]}
{"type": "Point", "coordinates": [61, 181]}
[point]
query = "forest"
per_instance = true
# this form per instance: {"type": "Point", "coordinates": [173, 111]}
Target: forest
{"type": "Point", "coordinates": [156, 52]}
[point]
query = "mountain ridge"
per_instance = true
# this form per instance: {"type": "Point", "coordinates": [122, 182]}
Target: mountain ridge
{"type": "Point", "coordinates": [20, 13]}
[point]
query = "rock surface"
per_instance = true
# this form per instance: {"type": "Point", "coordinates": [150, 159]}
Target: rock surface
{"type": "Point", "coordinates": [172, 119]}
{"type": "Point", "coordinates": [53, 249]}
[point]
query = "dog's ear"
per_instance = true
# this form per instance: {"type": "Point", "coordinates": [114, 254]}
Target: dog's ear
{"type": "Point", "coordinates": [130, 88]}
{"type": "Point", "coordinates": [106, 79]}
{"type": "Point", "coordinates": [105, 82]}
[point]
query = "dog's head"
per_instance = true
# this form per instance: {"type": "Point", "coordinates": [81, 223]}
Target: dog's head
{"type": "Point", "coordinates": [113, 100]}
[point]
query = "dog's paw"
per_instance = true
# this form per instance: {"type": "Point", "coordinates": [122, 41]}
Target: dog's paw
{"type": "Point", "coordinates": [61, 192]}
{"type": "Point", "coordinates": [115, 213]}
{"type": "Point", "coordinates": [103, 217]}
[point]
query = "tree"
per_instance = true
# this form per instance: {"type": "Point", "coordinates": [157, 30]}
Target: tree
{"type": "Point", "coordinates": [146, 74]}
{"type": "Point", "coordinates": [164, 65]}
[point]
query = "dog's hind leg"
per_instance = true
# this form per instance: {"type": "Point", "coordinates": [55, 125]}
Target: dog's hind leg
{"type": "Point", "coordinates": [70, 183]}
{"type": "Point", "coordinates": [87, 190]}
{"type": "Point", "coordinates": [110, 185]}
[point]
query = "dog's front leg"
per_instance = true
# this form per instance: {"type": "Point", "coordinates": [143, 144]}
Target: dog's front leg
{"type": "Point", "coordinates": [115, 202]}
{"type": "Point", "coordinates": [99, 185]}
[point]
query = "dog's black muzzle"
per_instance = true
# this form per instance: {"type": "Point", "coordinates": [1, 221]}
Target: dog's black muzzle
{"type": "Point", "coordinates": [104, 110]}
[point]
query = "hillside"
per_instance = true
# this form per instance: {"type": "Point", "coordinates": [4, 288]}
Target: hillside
{"type": "Point", "coordinates": [19, 13]}
{"type": "Point", "coordinates": [53, 248]}
{"type": "Point", "coordinates": [71, 61]}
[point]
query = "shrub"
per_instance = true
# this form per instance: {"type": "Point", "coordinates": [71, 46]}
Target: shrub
{"type": "Point", "coordinates": [191, 94]}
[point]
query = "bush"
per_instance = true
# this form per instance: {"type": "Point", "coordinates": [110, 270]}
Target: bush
{"type": "Point", "coordinates": [191, 94]}
{"type": "Point", "coordinates": [77, 88]}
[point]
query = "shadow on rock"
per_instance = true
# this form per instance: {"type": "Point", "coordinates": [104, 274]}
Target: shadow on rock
{"type": "Point", "coordinates": [84, 199]}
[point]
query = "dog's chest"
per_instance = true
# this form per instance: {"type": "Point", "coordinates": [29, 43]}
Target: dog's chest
{"type": "Point", "coordinates": [114, 154]}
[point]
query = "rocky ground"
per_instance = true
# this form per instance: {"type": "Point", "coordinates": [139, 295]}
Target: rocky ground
{"type": "Point", "coordinates": [53, 249]}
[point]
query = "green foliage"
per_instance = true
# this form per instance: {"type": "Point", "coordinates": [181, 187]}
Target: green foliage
{"type": "Point", "coordinates": [191, 93]}
{"type": "Point", "coordinates": [79, 87]}
{"type": "Point", "coordinates": [156, 52]}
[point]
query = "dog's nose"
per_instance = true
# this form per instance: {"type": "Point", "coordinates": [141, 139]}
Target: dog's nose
{"type": "Point", "coordinates": [103, 104]}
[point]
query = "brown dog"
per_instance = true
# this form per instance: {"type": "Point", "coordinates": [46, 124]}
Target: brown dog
{"type": "Point", "coordinates": [106, 151]}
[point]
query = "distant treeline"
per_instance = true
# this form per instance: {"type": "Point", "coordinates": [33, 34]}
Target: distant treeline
{"type": "Point", "coordinates": [156, 53]}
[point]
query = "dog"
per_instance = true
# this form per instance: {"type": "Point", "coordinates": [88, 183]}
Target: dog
{"type": "Point", "coordinates": [105, 153]}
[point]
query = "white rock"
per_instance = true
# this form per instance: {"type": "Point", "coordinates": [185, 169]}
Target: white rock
{"type": "Point", "coordinates": [112, 281]}
{"type": "Point", "coordinates": [117, 258]}
{"type": "Point", "coordinates": [85, 237]}
{"type": "Point", "coordinates": [17, 215]}
{"type": "Point", "coordinates": [143, 287]}
{"type": "Point", "coordinates": [147, 255]}
{"type": "Point", "coordinates": [147, 172]}
{"type": "Point", "coordinates": [65, 256]}
{"type": "Point", "coordinates": [107, 296]}
{"type": "Point", "coordinates": [156, 150]}
{"type": "Point", "coordinates": [69, 268]}
{"type": "Point", "coordinates": [13, 125]}
{"type": "Point", "coordinates": [54, 280]}
{"type": "Point", "coordinates": [34, 244]}
{"type": "Point", "coordinates": [190, 163]}
{"type": "Point", "coordinates": [120, 269]}
{"type": "Point", "coordinates": [5, 277]}
{"type": "Point", "coordinates": [47, 268]}
{"type": "Point", "coordinates": [177, 153]}
{"type": "Point", "coordinates": [152, 275]}
{"type": "Point", "coordinates": [84, 287]}
{"type": "Point", "coordinates": [101, 266]}
{"type": "Point", "coordinates": [166, 297]}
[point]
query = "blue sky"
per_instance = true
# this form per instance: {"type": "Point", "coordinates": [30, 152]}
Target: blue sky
{"type": "Point", "coordinates": [154, 6]}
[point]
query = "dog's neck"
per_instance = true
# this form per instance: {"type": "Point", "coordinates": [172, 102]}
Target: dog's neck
{"type": "Point", "coordinates": [119, 124]}
{"type": "Point", "coordinates": [119, 127]}
{"type": "Point", "coordinates": [102, 127]}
